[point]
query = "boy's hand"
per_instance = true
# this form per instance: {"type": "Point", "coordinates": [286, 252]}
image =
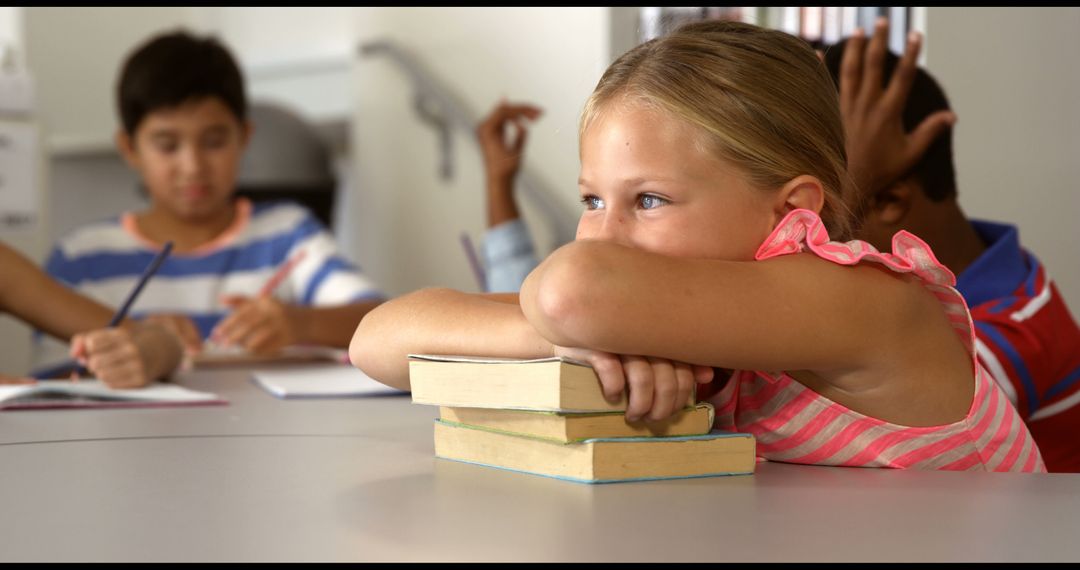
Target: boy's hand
{"type": "Point", "coordinates": [183, 327]}
{"type": "Point", "coordinates": [262, 325]}
{"type": "Point", "coordinates": [658, 387]}
{"type": "Point", "coordinates": [112, 356]}
{"type": "Point", "coordinates": [879, 151]}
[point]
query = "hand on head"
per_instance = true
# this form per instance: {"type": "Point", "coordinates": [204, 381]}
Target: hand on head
{"type": "Point", "coordinates": [879, 150]}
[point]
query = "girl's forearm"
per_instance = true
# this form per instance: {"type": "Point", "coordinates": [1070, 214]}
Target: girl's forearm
{"type": "Point", "coordinates": [328, 326]}
{"type": "Point", "coordinates": [441, 321]}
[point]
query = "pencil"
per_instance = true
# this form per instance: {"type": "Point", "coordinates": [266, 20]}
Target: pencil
{"type": "Point", "coordinates": [281, 274]}
{"type": "Point", "coordinates": [123, 310]}
{"type": "Point", "coordinates": [273, 282]}
{"type": "Point", "coordinates": [474, 264]}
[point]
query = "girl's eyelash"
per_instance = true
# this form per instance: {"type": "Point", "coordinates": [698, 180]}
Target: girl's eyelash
{"type": "Point", "coordinates": [662, 201]}
{"type": "Point", "coordinates": [589, 200]}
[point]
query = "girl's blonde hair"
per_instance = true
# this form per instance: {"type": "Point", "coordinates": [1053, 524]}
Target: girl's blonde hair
{"type": "Point", "coordinates": [763, 97]}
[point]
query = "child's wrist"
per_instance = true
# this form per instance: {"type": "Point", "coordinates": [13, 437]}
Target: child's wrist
{"type": "Point", "coordinates": [500, 182]}
{"type": "Point", "coordinates": [160, 351]}
{"type": "Point", "coordinates": [297, 324]}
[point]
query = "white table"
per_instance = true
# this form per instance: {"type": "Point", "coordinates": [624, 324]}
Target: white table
{"type": "Point", "coordinates": [264, 479]}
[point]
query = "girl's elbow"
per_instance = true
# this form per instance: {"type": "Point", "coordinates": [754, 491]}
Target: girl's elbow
{"type": "Point", "coordinates": [554, 311]}
{"type": "Point", "coordinates": [359, 349]}
{"type": "Point", "coordinates": [367, 357]}
{"type": "Point", "coordinates": [559, 301]}
{"type": "Point", "coordinates": [367, 354]}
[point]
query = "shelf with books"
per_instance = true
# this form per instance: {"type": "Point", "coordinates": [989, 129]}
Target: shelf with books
{"type": "Point", "coordinates": [821, 26]}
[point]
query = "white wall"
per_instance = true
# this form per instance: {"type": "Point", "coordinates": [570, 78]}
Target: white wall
{"type": "Point", "coordinates": [11, 26]}
{"type": "Point", "coordinates": [295, 55]}
{"type": "Point", "coordinates": [408, 221]}
{"type": "Point", "coordinates": [75, 54]}
{"type": "Point", "coordinates": [275, 35]}
{"type": "Point", "coordinates": [1011, 75]}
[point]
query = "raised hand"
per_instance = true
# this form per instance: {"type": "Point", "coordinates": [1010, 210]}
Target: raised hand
{"type": "Point", "coordinates": [503, 155]}
{"type": "Point", "coordinates": [879, 151]}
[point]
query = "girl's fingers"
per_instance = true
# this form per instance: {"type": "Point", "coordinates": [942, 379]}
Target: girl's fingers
{"type": "Point", "coordinates": [639, 379]}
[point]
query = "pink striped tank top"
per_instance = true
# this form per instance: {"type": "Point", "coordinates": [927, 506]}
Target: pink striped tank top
{"type": "Point", "coordinates": [794, 424]}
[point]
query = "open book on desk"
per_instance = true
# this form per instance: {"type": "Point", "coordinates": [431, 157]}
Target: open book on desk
{"type": "Point", "coordinates": [320, 381]}
{"type": "Point", "coordinates": [50, 394]}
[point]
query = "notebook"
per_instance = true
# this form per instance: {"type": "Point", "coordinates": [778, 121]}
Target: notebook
{"type": "Point", "coordinates": [320, 381]}
{"type": "Point", "coordinates": [51, 394]}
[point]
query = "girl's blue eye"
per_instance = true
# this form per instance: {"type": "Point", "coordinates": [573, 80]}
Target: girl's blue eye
{"type": "Point", "coordinates": [651, 202]}
{"type": "Point", "coordinates": [592, 202]}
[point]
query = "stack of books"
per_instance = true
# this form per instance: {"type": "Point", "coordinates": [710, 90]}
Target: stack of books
{"type": "Point", "coordinates": [549, 417]}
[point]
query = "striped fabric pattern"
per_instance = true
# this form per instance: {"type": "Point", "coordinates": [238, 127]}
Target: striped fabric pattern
{"type": "Point", "coordinates": [1030, 345]}
{"type": "Point", "coordinates": [794, 424]}
{"type": "Point", "coordinates": [104, 261]}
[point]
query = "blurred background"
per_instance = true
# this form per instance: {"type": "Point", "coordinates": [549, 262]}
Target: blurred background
{"type": "Point", "coordinates": [392, 94]}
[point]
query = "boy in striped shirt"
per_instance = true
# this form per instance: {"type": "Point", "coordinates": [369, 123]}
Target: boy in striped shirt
{"type": "Point", "coordinates": [184, 128]}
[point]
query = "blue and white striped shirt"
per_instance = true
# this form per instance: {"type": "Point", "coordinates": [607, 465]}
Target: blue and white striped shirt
{"type": "Point", "coordinates": [104, 261]}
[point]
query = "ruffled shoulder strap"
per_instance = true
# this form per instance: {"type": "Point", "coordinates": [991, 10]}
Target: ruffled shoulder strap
{"type": "Point", "coordinates": [802, 230]}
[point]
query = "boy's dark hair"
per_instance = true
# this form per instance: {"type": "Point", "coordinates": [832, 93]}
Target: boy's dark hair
{"type": "Point", "coordinates": [173, 68]}
{"type": "Point", "coordinates": [935, 170]}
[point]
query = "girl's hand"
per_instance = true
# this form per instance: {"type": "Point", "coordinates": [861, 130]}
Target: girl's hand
{"type": "Point", "coordinates": [259, 324]}
{"type": "Point", "coordinates": [658, 387]}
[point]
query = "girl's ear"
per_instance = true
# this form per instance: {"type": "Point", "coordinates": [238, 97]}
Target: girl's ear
{"type": "Point", "coordinates": [805, 192]}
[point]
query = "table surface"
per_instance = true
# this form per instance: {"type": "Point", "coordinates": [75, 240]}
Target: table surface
{"type": "Point", "coordinates": [263, 479]}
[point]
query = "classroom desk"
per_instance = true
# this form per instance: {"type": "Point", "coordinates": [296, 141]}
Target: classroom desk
{"type": "Point", "coordinates": [264, 479]}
